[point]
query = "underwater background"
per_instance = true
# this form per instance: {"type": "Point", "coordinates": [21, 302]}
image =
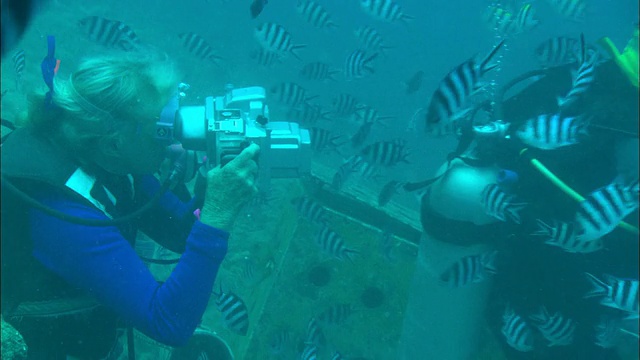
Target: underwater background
{"type": "Point", "coordinates": [273, 262]}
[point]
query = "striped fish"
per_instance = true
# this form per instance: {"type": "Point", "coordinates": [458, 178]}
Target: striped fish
{"type": "Point", "coordinates": [449, 100]}
{"type": "Point", "coordinates": [18, 66]}
{"type": "Point", "coordinates": [499, 204]}
{"type": "Point", "coordinates": [110, 33]}
{"type": "Point", "coordinates": [318, 71]}
{"type": "Point", "coordinates": [565, 236]}
{"type": "Point", "coordinates": [344, 172]}
{"type": "Point", "coordinates": [552, 131]}
{"type": "Point", "coordinates": [366, 114]}
{"type": "Point", "coordinates": [333, 244]}
{"type": "Point", "coordinates": [607, 332]}
{"type": "Point", "coordinates": [274, 37]}
{"type": "Point", "coordinates": [310, 352]}
{"type": "Point", "coordinates": [557, 329]}
{"type": "Point", "coordinates": [280, 342]}
{"type": "Point", "coordinates": [385, 153]}
{"type": "Point", "coordinates": [309, 114]}
{"type": "Point", "coordinates": [582, 79]}
{"type": "Point", "coordinates": [337, 356]}
{"type": "Point", "coordinates": [516, 331]}
{"type": "Point", "coordinates": [366, 169]}
{"type": "Point", "coordinates": [344, 105]}
{"type": "Point", "coordinates": [470, 269]}
{"type": "Point", "coordinates": [505, 23]}
{"type": "Point", "coordinates": [336, 314]}
{"type": "Point", "coordinates": [234, 312]}
{"type": "Point", "coordinates": [315, 14]}
{"type": "Point", "coordinates": [556, 51]}
{"type": "Point", "coordinates": [361, 135]}
{"type": "Point", "coordinates": [602, 210]}
{"type": "Point", "coordinates": [310, 210]}
{"type": "Point", "coordinates": [322, 139]}
{"type": "Point", "coordinates": [198, 46]}
{"type": "Point", "coordinates": [621, 294]}
{"type": "Point", "coordinates": [265, 57]}
{"type": "Point", "coordinates": [358, 65]}
{"type": "Point", "coordinates": [388, 190]}
{"type": "Point", "coordinates": [525, 19]}
{"type": "Point", "coordinates": [385, 10]}
{"type": "Point", "coordinates": [289, 93]}
{"type": "Point", "coordinates": [314, 335]}
{"type": "Point", "coordinates": [571, 9]}
{"type": "Point", "coordinates": [370, 39]}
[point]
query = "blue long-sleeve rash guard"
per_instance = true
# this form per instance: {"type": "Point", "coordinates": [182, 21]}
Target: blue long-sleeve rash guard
{"type": "Point", "coordinates": [100, 261]}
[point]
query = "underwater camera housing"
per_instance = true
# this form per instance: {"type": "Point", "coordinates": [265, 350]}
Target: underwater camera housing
{"type": "Point", "coordinates": [226, 124]}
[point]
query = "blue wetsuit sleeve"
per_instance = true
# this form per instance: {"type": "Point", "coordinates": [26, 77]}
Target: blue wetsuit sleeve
{"type": "Point", "coordinates": [169, 221]}
{"type": "Point", "coordinates": [101, 262]}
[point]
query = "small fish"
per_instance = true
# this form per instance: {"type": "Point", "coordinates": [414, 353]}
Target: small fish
{"type": "Point", "coordinates": [385, 153]}
{"type": "Point", "coordinates": [371, 40]}
{"type": "Point", "coordinates": [337, 356]}
{"type": "Point", "coordinates": [565, 236]}
{"type": "Point", "coordinates": [366, 169]}
{"type": "Point", "coordinates": [366, 114]}
{"type": "Point", "coordinates": [18, 66]}
{"type": "Point", "coordinates": [470, 269]}
{"type": "Point", "coordinates": [318, 71]}
{"type": "Point", "coordinates": [358, 65]}
{"type": "Point", "coordinates": [336, 314]}
{"type": "Point", "coordinates": [388, 190]}
{"type": "Point", "coordinates": [571, 9]}
{"type": "Point", "coordinates": [607, 332]}
{"type": "Point", "coordinates": [500, 205]}
{"type": "Point", "coordinates": [602, 210]}
{"type": "Point", "coordinates": [290, 93]}
{"type": "Point", "coordinates": [256, 7]}
{"type": "Point", "coordinates": [274, 37]}
{"type": "Point", "coordinates": [621, 294]}
{"type": "Point", "coordinates": [333, 244]}
{"type": "Point", "coordinates": [385, 10]}
{"type": "Point", "coordinates": [314, 335]}
{"type": "Point", "coordinates": [387, 244]}
{"type": "Point", "coordinates": [516, 331]}
{"type": "Point", "coordinates": [309, 114]}
{"type": "Point", "coordinates": [198, 46]}
{"type": "Point", "coordinates": [315, 14]}
{"type": "Point", "coordinates": [344, 105]}
{"type": "Point", "coordinates": [361, 134]}
{"type": "Point", "coordinates": [110, 33]}
{"type": "Point", "coordinates": [234, 312]}
{"type": "Point", "coordinates": [525, 19]}
{"type": "Point", "coordinates": [556, 51]}
{"type": "Point", "coordinates": [414, 83]}
{"type": "Point", "coordinates": [557, 329]}
{"type": "Point", "coordinates": [265, 57]}
{"type": "Point", "coordinates": [448, 102]}
{"type": "Point", "coordinates": [310, 352]}
{"type": "Point", "coordinates": [344, 172]}
{"type": "Point", "coordinates": [552, 131]}
{"type": "Point", "coordinates": [501, 21]}
{"type": "Point", "coordinates": [582, 79]}
{"type": "Point", "coordinates": [322, 139]}
{"type": "Point", "coordinates": [280, 342]}
{"type": "Point", "coordinates": [310, 210]}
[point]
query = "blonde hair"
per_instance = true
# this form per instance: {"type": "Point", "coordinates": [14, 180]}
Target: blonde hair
{"type": "Point", "coordinates": [105, 95]}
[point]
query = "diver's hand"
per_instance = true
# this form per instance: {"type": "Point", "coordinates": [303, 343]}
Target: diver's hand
{"type": "Point", "coordinates": [229, 188]}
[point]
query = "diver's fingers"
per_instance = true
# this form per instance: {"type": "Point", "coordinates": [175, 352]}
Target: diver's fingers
{"type": "Point", "coordinates": [249, 153]}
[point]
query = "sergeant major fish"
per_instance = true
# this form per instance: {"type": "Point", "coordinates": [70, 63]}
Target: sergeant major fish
{"type": "Point", "coordinates": [449, 100]}
{"type": "Point", "coordinates": [557, 329]}
{"type": "Point", "coordinates": [516, 331]}
{"type": "Point", "coordinates": [385, 10]}
{"type": "Point", "coordinates": [333, 244]}
{"type": "Point", "coordinates": [358, 65]}
{"type": "Point", "coordinates": [198, 46]}
{"type": "Point", "coordinates": [583, 78]}
{"type": "Point", "coordinates": [621, 294]}
{"type": "Point", "coordinates": [110, 33]}
{"type": "Point", "coordinates": [552, 131]}
{"type": "Point", "coordinates": [470, 269]}
{"type": "Point", "coordinates": [274, 37]}
{"type": "Point", "coordinates": [234, 312]}
{"type": "Point", "coordinates": [499, 204]}
{"type": "Point", "coordinates": [315, 14]}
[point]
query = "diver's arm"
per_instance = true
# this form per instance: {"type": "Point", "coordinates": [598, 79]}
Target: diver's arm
{"type": "Point", "coordinates": [101, 262]}
{"type": "Point", "coordinates": [170, 221]}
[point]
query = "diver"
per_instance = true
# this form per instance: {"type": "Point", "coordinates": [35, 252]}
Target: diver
{"type": "Point", "coordinates": [448, 322]}
{"type": "Point", "coordinates": [87, 154]}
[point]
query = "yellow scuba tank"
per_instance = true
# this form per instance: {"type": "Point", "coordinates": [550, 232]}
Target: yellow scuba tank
{"type": "Point", "coordinates": [627, 61]}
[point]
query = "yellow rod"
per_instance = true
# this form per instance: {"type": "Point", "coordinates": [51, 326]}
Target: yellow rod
{"type": "Point", "coordinates": [569, 191]}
